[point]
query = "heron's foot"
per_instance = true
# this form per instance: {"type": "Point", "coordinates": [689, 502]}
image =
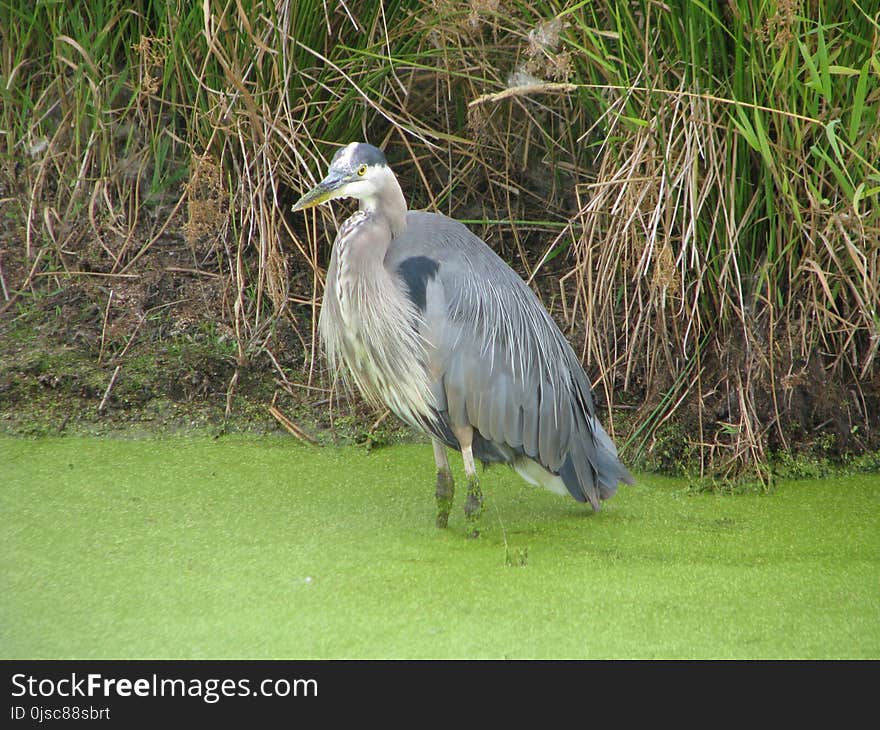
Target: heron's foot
{"type": "Point", "coordinates": [444, 494]}
{"type": "Point", "coordinates": [473, 507]}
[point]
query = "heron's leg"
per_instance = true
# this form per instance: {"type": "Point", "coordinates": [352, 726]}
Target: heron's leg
{"type": "Point", "coordinates": [473, 507]}
{"type": "Point", "coordinates": [445, 485]}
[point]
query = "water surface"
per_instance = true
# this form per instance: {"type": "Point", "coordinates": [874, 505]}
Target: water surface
{"type": "Point", "coordinates": [261, 547]}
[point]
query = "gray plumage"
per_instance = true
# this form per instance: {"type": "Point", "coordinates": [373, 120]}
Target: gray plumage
{"type": "Point", "coordinates": [425, 318]}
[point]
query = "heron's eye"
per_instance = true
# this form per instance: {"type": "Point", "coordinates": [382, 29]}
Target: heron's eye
{"type": "Point", "coordinates": [362, 170]}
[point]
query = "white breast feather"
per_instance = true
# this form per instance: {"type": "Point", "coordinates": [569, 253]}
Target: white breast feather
{"type": "Point", "coordinates": [368, 326]}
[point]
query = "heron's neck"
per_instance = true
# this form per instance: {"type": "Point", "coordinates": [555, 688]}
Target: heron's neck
{"type": "Point", "coordinates": [388, 202]}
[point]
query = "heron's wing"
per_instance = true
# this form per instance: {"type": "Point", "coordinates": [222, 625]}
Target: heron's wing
{"type": "Point", "coordinates": [500, 363]}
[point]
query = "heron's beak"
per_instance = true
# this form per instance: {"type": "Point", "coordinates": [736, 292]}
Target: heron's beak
{"type": "Point", "coordinates": [321, 193]}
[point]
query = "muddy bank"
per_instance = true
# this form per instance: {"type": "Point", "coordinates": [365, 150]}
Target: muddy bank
{"type": "Point", "coordinates": [87, 349]}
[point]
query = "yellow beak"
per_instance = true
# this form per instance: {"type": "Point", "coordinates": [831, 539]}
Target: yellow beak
{"type": "Point", "coordinates": [321, 193]}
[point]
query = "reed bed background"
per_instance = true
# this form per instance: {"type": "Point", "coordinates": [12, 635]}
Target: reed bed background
{"type": "Point", "coordinates": [692, 188]}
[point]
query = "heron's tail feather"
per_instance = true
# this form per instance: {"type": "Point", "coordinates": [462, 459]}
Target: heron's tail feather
{"type": "Point", "coordinates": [591, 470]}
{"type": "Point", "coordinates": [608, 465]}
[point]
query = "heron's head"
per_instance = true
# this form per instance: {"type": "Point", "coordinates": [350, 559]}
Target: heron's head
{"type": "Point", "coordinates": [358, 170]}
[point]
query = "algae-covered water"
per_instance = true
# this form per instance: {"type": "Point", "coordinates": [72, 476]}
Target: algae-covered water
{"type": "Point", "coordinates": [261, 547]}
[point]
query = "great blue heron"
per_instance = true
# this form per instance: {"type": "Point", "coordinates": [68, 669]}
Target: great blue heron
{"type": "Point", "coordinates": [427, 320]}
